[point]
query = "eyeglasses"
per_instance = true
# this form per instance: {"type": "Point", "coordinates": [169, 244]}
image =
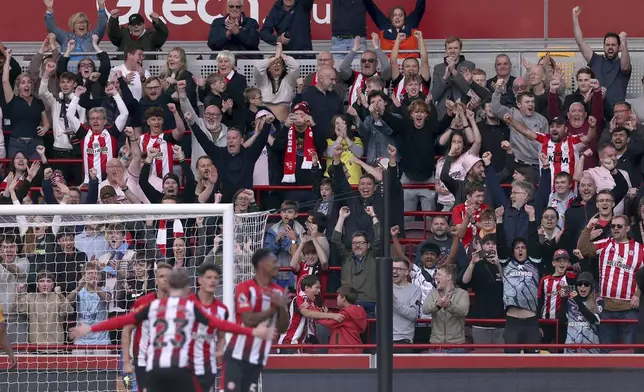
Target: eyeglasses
{"type": "Point", "coordinates": [605, 201]}
{"type": "Point", "coordinates": [617, 226]}
{"type": "Point", "coordinates": [85, 65]}
{"type": "Point", "coordinates": [364, 61]}
{"type": "Point", "coordinates": [359, 243]}
{"type": "Point", "coordinates": [399, 269]}
{"type": "Point", "coordinates": [212, 115]}
{"type": "Point", "coordinates": [235, 7]}
{"type": "Point", "coordinates": [583, 284]}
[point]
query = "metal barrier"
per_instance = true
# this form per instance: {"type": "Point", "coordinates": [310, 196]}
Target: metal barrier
{"type": "Point", "coordinates": [483, 58]}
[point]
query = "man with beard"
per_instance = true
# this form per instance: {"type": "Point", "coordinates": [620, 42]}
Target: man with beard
{"type": "Point", "coordinates": [577, 113]}
{"type": "Point", "coordinates": [612, 71]}
{"type": "Point", "coordinates": [440, 237]}
{"type": "Point", "coordinates": [562, 150]}
{"type": "Point", "coordinates": [629, 156]}
{"type": "Point", "coordinates": [405, 308]}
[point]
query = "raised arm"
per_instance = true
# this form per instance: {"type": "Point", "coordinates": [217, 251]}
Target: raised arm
{"type": "Point", "coordinates": [584, 243]}
{"type": "Point", "coordinates": [385, 65]}
{"type": "Point", "coordinates": [625, 58]}
{"type": "Point", "coordinates": [6, 84]}
{"type": "Point", "coordinates": [585, 49]}
{"type": "Point", "coordinates": [520, 127]}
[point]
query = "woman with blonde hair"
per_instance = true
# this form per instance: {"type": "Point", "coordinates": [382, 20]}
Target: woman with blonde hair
{"type": "Point", "coordinates": [176, 69]}
{"type": "Point", "coordinates": [27, 113]}
{"type": "Point", "coordinates": [79, 26]}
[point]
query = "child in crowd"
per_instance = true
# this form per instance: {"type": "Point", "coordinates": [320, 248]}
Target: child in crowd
{"type": "Point", "coordinates": [46, 310]}
{"type": "Point", "coordinates": [306, 307]}
{"type": "Point", "coordinates": [283, 238]}
{"type": "Point", "coordinates": [351, 326]}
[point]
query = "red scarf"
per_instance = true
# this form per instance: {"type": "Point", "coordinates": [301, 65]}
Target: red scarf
{"type": "Point", "coordinates": [290, 156]}
{"type": "Point", "coordinates": [314, 81]}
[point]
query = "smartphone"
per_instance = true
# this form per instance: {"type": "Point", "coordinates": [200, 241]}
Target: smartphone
{"type": "Point", "coordinates": [291, 223]}
{"type": "Point", "coordinates": [483, 255]}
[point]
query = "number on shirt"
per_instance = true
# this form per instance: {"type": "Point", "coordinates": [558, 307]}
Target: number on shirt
{"type": "Point", "coordinates": [179, 338]}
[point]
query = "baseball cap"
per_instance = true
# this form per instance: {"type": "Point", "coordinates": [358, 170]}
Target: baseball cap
{"type": "Point", "coordinates": [135, 19]}
{"type": "Point", "coordinates": [561, 254]}
{"type": "Point", "coordinates": [586, 277]}
{"type": "Point", "coordinates": [558, 120]}
{"type": "Point", "coordinates": [107, 191]}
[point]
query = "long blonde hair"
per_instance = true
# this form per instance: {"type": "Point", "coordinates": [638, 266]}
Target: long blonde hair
{"type": "Point", "coordinates": [184, 59]}
{"type": "Point", "coordinates": [591, 301]}
{"type": "Point", "coordinates": [16, 88]}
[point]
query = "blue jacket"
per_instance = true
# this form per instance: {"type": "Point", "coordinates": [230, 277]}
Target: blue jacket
{"type": "Point", "coordinates": [296, 23]}
{"type": "Point", "coordinates": [412, 21]}
{"type": "Point", "coordinates": [83, 44]}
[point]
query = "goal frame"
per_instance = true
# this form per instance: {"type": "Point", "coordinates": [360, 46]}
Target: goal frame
{"type": "Point", "coordinates": [226, 210]}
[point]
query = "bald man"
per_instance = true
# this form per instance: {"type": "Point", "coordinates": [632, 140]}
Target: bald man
{"type": "Point", "coordinates": [323, 100]}
{"type": "Point", "coordinates": [324, 59]}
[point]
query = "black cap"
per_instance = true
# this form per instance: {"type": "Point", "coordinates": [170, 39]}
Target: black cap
{"type": "Point", "coordinates": [558, 120]}
{"type": "Point", "coordinates": [136, 19]}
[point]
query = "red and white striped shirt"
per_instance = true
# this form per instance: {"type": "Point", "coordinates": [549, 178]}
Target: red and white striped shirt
{"type": "Point", "coordinates": [204, 345]}
{"type": "Point", "coordinates": [562, 154]}
{"type": "Point", "coordinates": [250, 296]}
{"type": "Point", "coordinates": [618, 263]}
{"type": "Point", "coordinates": [549, 293]}
{"type": "Point", "coordinates": [98, 148]}
{"type": "Point", "coordinates": [299, 327]}
{"type": "Point", "coordinates": [142, 332]}
{"type": "Point", "coordinates": [164, 161]}
{"type": "Point", "coordinates": [358, 85]}
{"type": "Point", "coordinates": [171, 322]}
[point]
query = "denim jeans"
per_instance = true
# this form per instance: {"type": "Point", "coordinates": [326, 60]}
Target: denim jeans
{"type": "Point", "coordinates": [345, 44]}
{"type": "Point", "coordinates": [617, 333]}
{"type": "Point", "coordinates": [24, 145]}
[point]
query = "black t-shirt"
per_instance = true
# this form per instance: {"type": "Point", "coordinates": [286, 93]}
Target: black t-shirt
{"type": "Point", "coordinates": [25, 118]}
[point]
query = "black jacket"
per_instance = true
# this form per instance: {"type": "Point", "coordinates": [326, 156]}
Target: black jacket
{"type": "Point", "coordinates": [247, 38]}
{"type": "Point", "coordinates": [296, 23]}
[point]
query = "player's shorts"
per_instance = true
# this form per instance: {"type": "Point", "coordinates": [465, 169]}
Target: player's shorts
{"type": "Point", "coordinates": [172, 380]}
{"type": "Point", "coordinates": [207, 382]}
{"type": "Point", "coordinates": [141, 377]}
{"type": "Point", "coordinates": [239, 376]}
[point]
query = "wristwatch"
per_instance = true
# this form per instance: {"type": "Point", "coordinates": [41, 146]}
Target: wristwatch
{"type": "Point", "coordinates": [293, 242]}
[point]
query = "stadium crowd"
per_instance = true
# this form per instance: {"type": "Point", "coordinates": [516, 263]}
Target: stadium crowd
{"type": "Point", "coordinates": [538, 194]}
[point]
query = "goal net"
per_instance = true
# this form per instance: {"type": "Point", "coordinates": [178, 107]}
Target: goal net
{"type": "Point", "coordinates": [56, 263]}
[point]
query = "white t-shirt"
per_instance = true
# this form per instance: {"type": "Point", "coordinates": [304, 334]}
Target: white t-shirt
{"type": "Point", "coordinates": [135, 85]}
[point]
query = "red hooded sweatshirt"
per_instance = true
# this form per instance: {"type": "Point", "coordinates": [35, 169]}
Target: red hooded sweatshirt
{"type": "Point", "coordinates": [348, 331]}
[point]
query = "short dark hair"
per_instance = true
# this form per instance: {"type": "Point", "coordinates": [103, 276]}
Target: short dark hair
{"type": "Point", "coordinates": [610, 34]}
{"type": "Point", "coordinates": [9, 239]}
{"type": "Point", "coordinates": [45, 275]}
{"type": "Point", "coordinates": [606, 192]}
{"type": "Point", "coordinates": [585, 70]}
{"type": "Point", "coordinates": [308, 281]}
{"type": "Point", "coordinates": [621, 129]}
{"type": "Point", "coordinates": [474, 186]}
{"type": "Point", "coordinates": [488, 238]}
{"type": "Point", "coordinates": [628, 105]}
{"type": "Point", "coordinates": [360, 234]}
{"type": "Point", "coordinates": [525, 94]}
{"type": "Point", "coordinates": [68, 76]}
{"type": "Point", "coordinates": [551, 209]}
{"type": "Point", "coordinates": [326, 181]}
{"type": "Point", "coordinates": [320, 220]}
{"type": "Point", "coordinates": [259, 255]}
{"type": "Point", "coordinates": [131, 49]}
{"type": "Point", "coordinates": [154, 111]}
{"type": "Point", "coordinates": [565, 175]}
{"type": "Point", "coordinates": [289, 205]}
{"type": "Point", "coordinates": [370, 176]}
{"type": "Point", "coordinates": [163, 265]}
{"type": "Point", "coordinates": [349, 293]}
{"type": "Point", "coordinates": [205, 267]}
{"type": "Point", "coordinates": [377, 93]}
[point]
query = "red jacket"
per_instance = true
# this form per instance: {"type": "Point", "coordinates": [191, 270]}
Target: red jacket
{"type": "Point", "coordinates": [349, 330]}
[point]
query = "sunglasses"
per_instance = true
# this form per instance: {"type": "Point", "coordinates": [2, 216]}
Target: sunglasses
{"type": "Point", "coordinates": [365, 61]}
{"type": "Point", "coordinates": [583, 284]}
{"type": "Point", "coordinates": [236, 7]}
{"type": "Point", "coordinates": [617, 226]}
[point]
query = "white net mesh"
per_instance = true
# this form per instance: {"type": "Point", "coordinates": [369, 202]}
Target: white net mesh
{"type": "Point", "coordinates": [47, 285]}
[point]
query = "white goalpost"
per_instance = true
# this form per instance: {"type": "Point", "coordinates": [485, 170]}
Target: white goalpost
{"type": "Point", "coordinates": [36, 247]}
